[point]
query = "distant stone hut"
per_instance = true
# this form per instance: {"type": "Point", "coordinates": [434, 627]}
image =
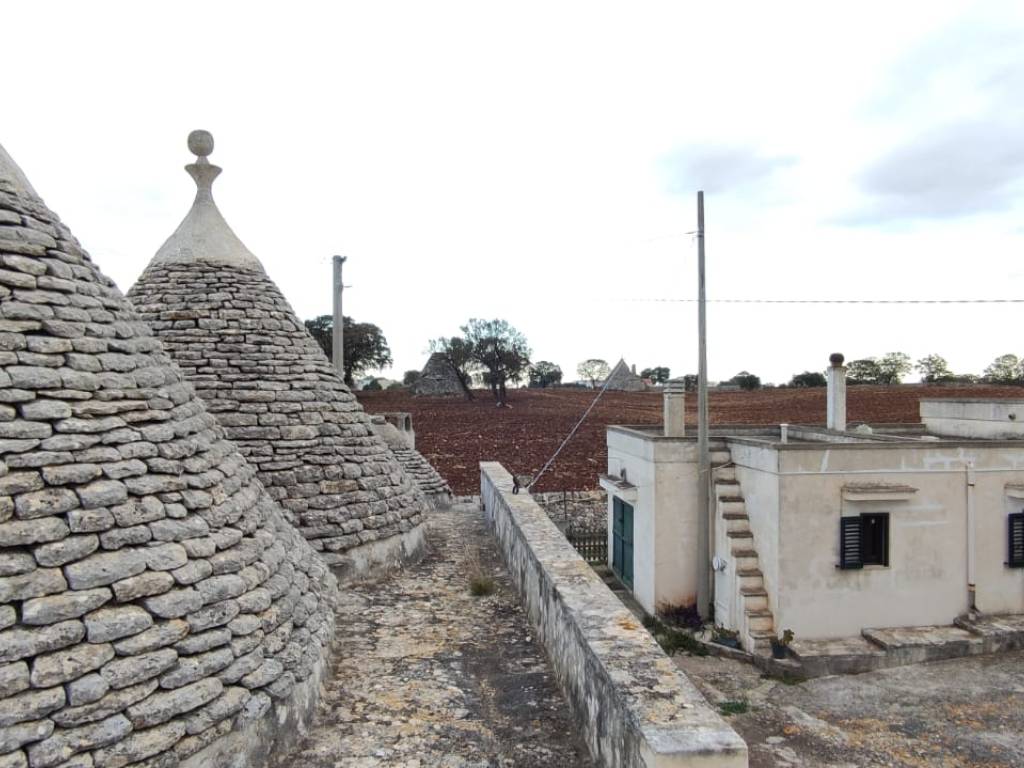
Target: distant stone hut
{"type": "Point", "coordinates": [624, 379]}
{"type": "Point", "coordinates": [156, 609]}
{"type": "Point", "coordinates": [438, 378]}
{"type": "Point", "coordinates": [268, 382]}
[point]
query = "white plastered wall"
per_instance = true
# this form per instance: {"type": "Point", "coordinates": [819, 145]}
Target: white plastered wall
{"type": "Point", "coordinates": [663, 471]}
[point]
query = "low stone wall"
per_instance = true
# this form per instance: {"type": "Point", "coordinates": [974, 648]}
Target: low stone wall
{"type": "Point", "coordinates": [633, 706]}
{"type": "Point", "coordinates": [584, 509]}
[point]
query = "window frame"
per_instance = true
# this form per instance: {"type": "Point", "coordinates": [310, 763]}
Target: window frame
{"type": "Point", "coordinates": [854, 541]}
{"type": "Point", "coordinates": [1014, 520]}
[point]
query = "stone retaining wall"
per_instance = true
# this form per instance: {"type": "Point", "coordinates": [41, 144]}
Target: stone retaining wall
{"type": "Point", "coordinates": [584, 509]}
{"type": "Point", "coordinates": [633, 706]}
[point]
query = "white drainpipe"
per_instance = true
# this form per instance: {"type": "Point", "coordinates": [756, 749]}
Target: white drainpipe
{"type": "Point", "coordinates": [971, 536]}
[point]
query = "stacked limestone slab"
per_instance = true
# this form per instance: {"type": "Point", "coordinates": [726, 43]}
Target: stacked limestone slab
{"type": "Point", "coordinates": [156, 609]}
{"type": "Point", "coordinates": [268, 382]}
{"type": "Point", "coordinates": [413, 462]}
{"type": "Point", "coordinates": [437, 378]}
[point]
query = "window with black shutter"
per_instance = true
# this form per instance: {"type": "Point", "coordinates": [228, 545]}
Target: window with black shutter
{"type": "Point", "coordinates": [864, 540]}
{"type": "Point", "coordinates": [1015, 534]}
{"type": "Point", "coordinates": [849, 542]}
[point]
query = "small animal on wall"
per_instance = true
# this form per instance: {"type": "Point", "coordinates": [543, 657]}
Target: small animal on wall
{"type": "Point", "coordinates": [521, 481]}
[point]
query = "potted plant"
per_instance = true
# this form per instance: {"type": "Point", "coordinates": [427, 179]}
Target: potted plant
{"type": "Point", "coordinates": [726, 637]}
{"type": "Point", "coordinates": [780, 645]}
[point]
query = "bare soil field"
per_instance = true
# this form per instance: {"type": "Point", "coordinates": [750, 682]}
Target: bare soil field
{"type": "Point", "coordinates": [455, 434]}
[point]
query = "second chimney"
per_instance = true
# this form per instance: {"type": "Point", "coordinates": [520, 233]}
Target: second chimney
{"type": "Point", "coordinates": [675, 407]}
{"type": "Point", "coordinates": [835, 417]}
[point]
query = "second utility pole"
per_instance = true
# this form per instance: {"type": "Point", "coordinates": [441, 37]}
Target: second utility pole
{"type": "Point", "coordinates": [337, 339]}
{"type": "Point", "coordinates": [703, 454]}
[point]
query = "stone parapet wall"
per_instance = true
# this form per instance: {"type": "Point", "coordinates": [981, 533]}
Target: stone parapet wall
{"type": "Point", "coordinates": [278, 398]}
{"type": "Point", "coordinates": [632, 705]}
{"type": "Point", "coordinates": [153, 598]}
{"type": "Point", "coordinates": [580, 509]}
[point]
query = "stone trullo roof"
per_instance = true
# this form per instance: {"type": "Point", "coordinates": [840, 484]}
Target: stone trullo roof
{"type": "Point", "coordinates": [155, 606]}
{"type": "Point", "coordinates": [267, 381]}
{"type": "Point", "coordinates": [438, 378]}
{"type": "Point", "coordinates": [623, 379]}
{"type": "Point", "coordinates": [413, 462]}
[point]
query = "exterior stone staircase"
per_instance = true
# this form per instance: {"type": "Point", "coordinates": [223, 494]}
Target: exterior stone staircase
{"type": "Point", "coordinates": [757, 623]}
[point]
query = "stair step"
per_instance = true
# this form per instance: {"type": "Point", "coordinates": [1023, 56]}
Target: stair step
{"type": "Point", "coordinates": [731, 499]}
{"type": "Point", "coordinates": [725, 474]}
{"type": "Point", "coordinates": [720, 457]}
{"type": "Point", "coordinates": [754, 591]}
{"type": "Point", "coordinates": [749, 572]}
{"type": "Point", "coordinates": [735, 516]}
{"type": "Point", "coordinates": [760, 621]}
{"type": "Point", "coordinates": [740, 534]}
{"type": "Point", "coordinates": [744, 552]}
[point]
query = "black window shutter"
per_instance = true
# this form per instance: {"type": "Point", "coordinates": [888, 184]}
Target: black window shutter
{"type": "Point", "coordinates": [1015, 531]}
{"type": "Point", "coordinates": [850, 537]}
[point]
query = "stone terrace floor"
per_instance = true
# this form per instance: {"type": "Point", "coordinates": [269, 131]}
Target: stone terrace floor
{"type": "Point", "coordinates": [962, 713]}
{"type": "Point", "coordinates": [427, 675]}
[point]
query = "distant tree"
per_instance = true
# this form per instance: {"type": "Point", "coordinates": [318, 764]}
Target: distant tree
{"type": "Point", "coordinates": [396, 385]}
{"type": "Point", "coordinates": [690, 381]}
{"type": "Point", "coordinates": [934, 368]}
{"type": "Point", "coordinates": [746, 380]}
{"type": "Point", "coordinates": [593, 370]}
{"type": "Point", "coordinates": [808, 379]}
{"type": "Point", "coordinates": [659, 374]}
{"type": "Point", "coordinates": [893, 367]}
{"type": "Point", "coordinates": [865, 371]}
{"type": "Point", "coordinates": [410, 378]}
{"type": "Point", "coordinates": [365, 344]}
{"type": "Point", "coordinates": [500, 350]}
{"type": "Point", "coordinates": [458, 353]}
{"type": "Point", "coordinates": [545, 374]}
{"type": "Point", "coordinates": [1005, 369]}
{"type": "Point", "coordinates": [372, 386]}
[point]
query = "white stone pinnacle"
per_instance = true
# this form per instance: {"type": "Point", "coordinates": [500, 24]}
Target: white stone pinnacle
{"type": "Point", "coordinates": [204, 235]}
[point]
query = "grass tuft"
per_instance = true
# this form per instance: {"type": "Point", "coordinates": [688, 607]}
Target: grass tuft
{"type": "Point", "coordinates": [733, 708]}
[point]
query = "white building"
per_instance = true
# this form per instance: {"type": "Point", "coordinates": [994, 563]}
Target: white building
{"type": "Point", "coordinates": [827, 531]}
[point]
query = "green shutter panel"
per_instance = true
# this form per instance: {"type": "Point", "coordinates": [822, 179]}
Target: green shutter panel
{"type": "Point", "coordinates": [1015, 530]}
{"type": "Point", "coordinates": [850, 538]}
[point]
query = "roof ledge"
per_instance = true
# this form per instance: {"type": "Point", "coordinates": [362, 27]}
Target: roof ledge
{"type": "Point", "coordinates": [878, 492]}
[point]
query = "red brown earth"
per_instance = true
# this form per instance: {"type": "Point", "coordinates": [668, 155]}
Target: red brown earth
{"type": "Point", "coordinates": [455, 435]}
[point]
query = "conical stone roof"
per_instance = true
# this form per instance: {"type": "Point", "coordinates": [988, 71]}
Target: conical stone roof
{"type": "Point", "coordinates": [623, 379]}
{"type": "Point", "coordinates": [155, 606]}
{"type": "Point", "coordinates": [437, 378]}
{"type": "Point", "coordinates": [271, 387]}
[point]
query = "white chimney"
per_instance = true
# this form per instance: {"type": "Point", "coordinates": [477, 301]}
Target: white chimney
{"type": "Point", "coordinates": [675, 406]}
{"type": "Point", "coordinates": [836, 414]}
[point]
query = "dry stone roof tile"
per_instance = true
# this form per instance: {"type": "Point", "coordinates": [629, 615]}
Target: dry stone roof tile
{"type": "Point", "coordinates": [140, 558]}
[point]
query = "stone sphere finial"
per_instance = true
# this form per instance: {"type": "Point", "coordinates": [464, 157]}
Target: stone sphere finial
{"type": "Point", "coordinates": [836, 358]}
{"type": "Point", "coordinates": [200, 143]}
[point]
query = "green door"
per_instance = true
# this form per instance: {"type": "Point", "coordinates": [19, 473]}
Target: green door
{"type": "Point", "coordinates": [622, 541]}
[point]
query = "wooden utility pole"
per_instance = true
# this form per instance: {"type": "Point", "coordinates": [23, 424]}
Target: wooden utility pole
{"type": "Point", "coordinates": [338, 341]}
{"type": "Point", "coordinates": [703, 453]}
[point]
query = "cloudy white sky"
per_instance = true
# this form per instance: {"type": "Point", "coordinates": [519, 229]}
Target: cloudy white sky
{"type": "Point", "coordinates": [539, 162]}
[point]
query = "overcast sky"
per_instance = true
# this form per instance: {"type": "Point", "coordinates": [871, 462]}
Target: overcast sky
{"type": "Point", "coordinates": [539, 162]}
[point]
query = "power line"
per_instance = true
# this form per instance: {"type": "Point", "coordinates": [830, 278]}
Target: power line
{"type": "Point", "coordinates": [825, 301]}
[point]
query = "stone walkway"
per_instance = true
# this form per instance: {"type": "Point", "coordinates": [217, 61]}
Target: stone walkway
{"type": "Point", "coordinates": [425, 674]}
{"type": "Point", "coordinates": [962, 713]}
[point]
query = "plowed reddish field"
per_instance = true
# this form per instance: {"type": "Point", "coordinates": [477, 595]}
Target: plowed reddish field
{"type": "Point", "coordinates": [455, 434]}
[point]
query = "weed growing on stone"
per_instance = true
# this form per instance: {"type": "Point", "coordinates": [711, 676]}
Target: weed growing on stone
{"type": "Point", "coordinates": [673, 640]}
{"type": "Point", "coordinates": [733, 708]}
{"type": "Point", "coordinates": [481, 583]}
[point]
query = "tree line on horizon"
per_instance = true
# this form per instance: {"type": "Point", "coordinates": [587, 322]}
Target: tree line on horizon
{"type": "Point", "coordinates": [496, 354]}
